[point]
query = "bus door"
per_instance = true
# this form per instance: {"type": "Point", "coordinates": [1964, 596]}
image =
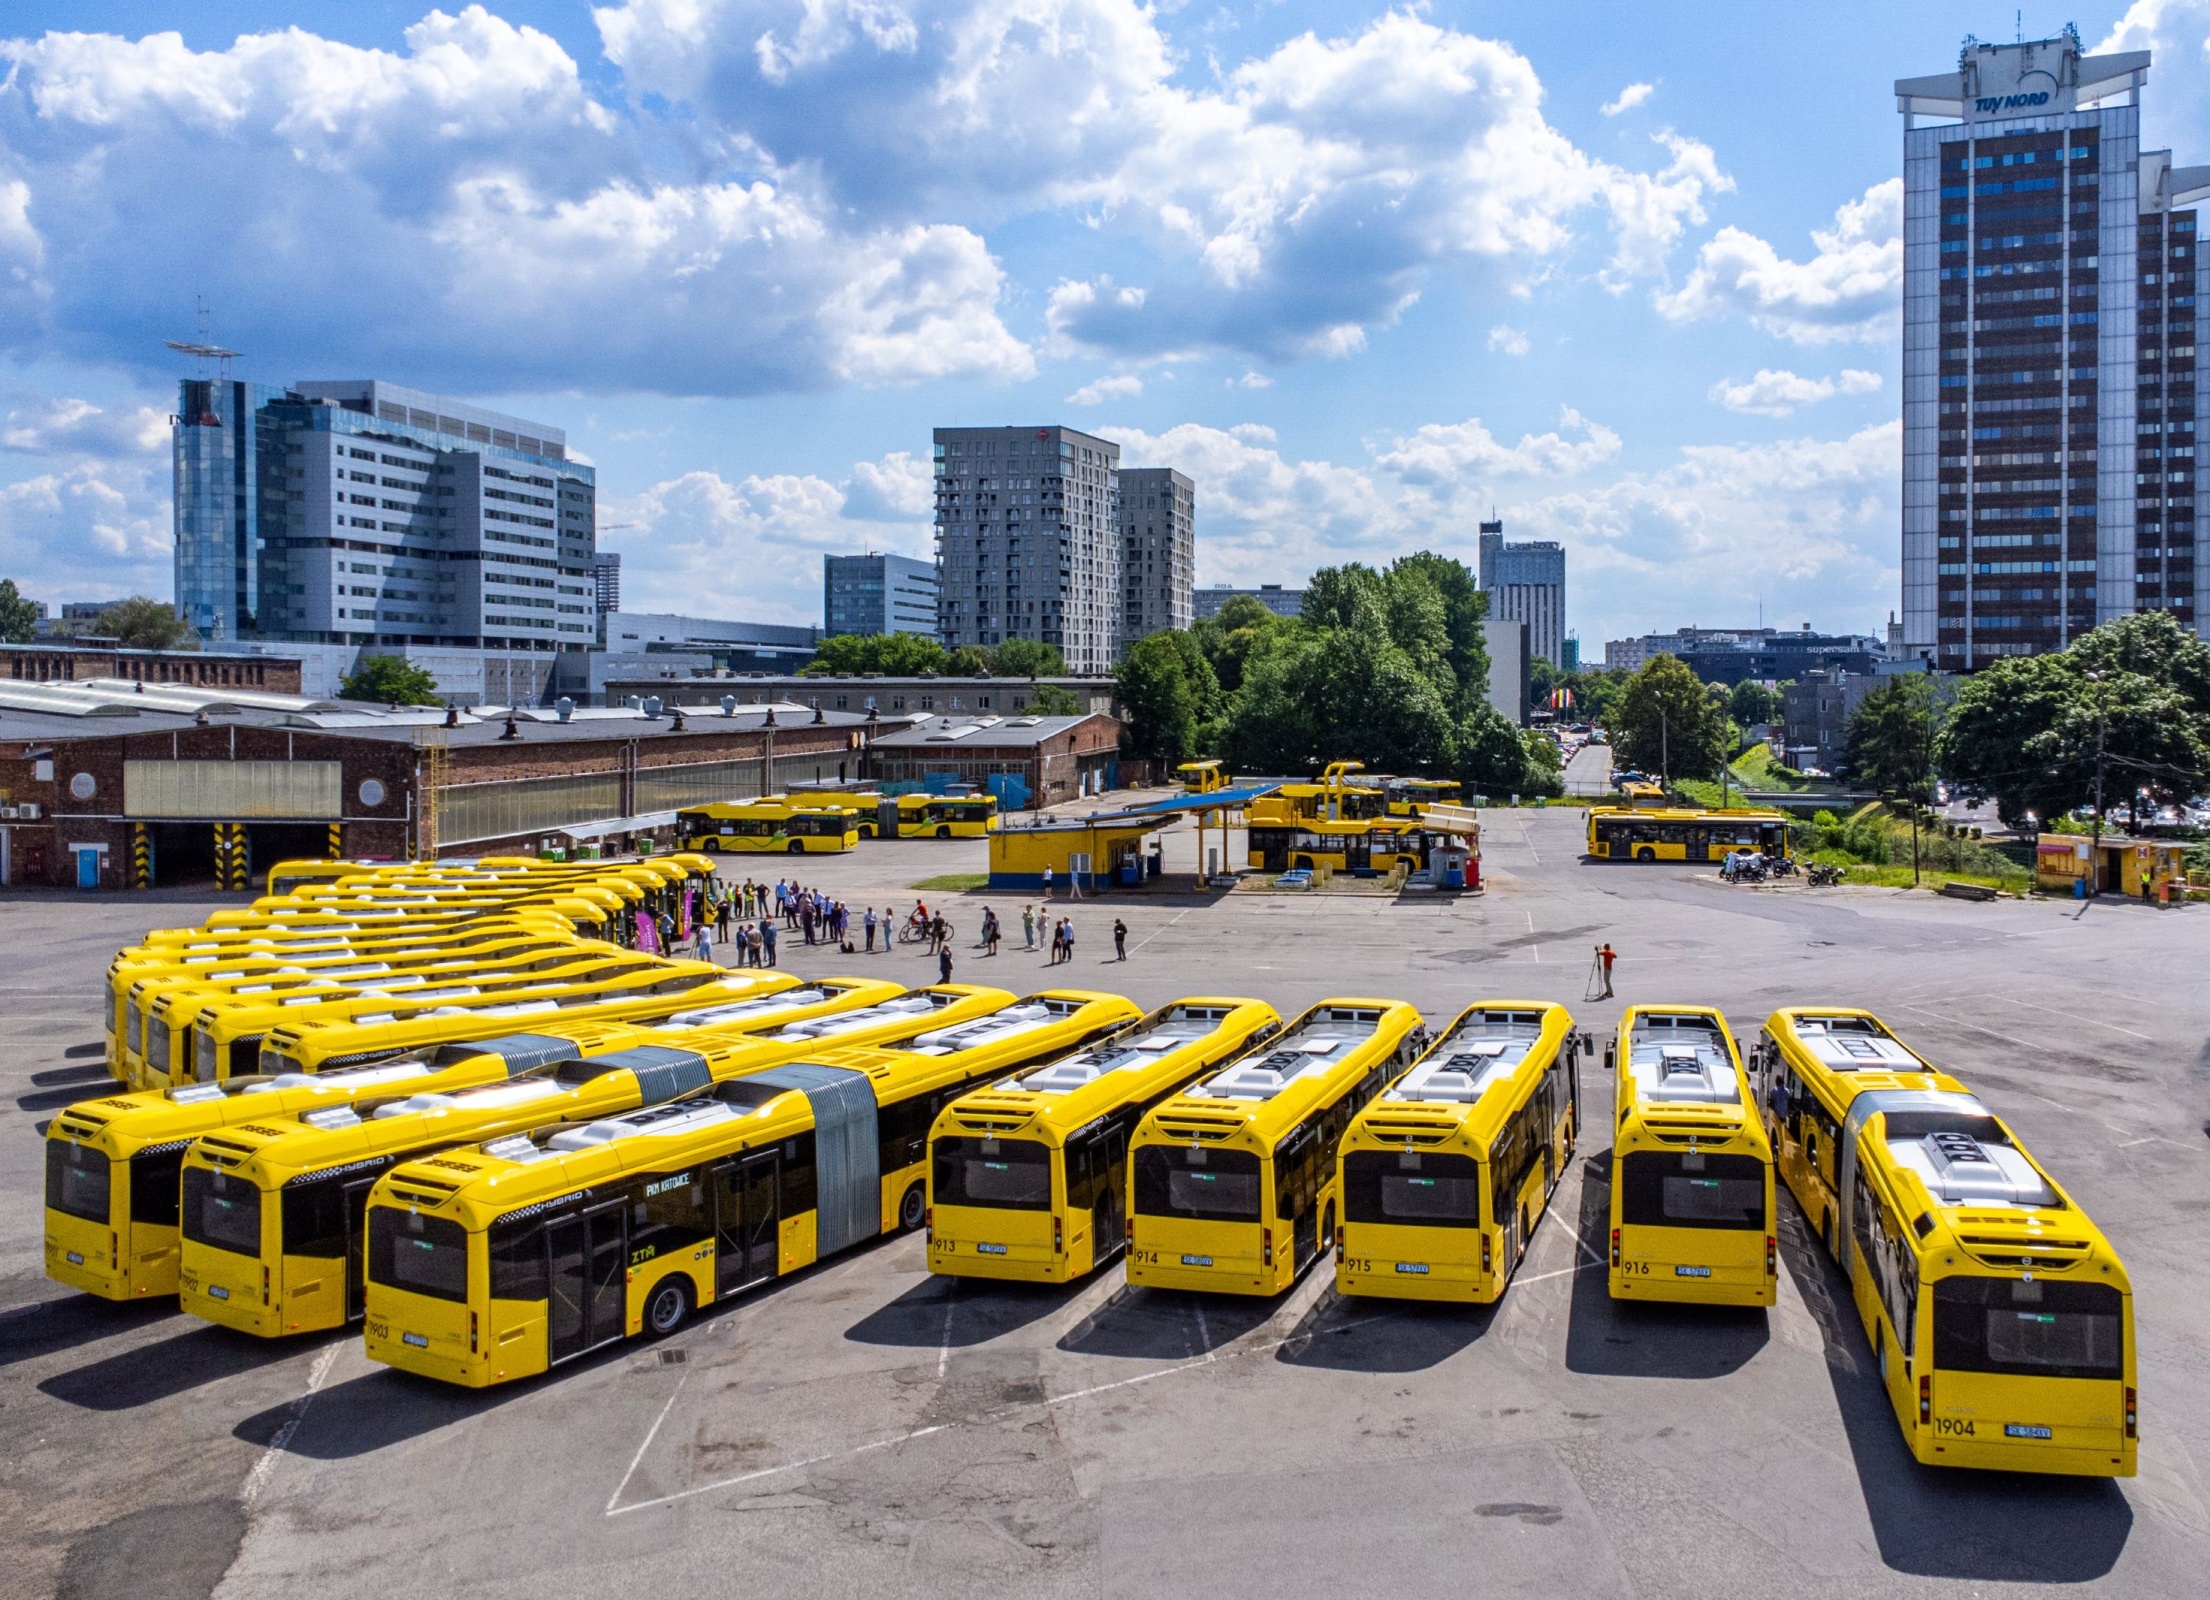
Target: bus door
{"type": "Point", "coordinates": [1296, 1185]}
{"type": "Point", "coordinates": [589, 1257]}
{"type": "Point", "coordinates": [354, 1197]}
{"type": "Point", "coordinates": [1696, 844]}
{"type": "Point", "coordinates": [745, 1242]}
{"type": "Point", "coordinates": [1357, 851]}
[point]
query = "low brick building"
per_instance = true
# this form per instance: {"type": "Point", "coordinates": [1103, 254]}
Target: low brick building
{"type": "Point", "coordinates": [74, 662]}
{"type": "Point", "coordinates": [1036, 761]}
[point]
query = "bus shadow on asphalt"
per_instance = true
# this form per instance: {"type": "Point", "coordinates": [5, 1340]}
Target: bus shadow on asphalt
{"type": "Point", "coordinates": [1937, 1522]}
{"type": "Point", "coordinates": [90, 1088]}
{"type": "Point", "coordinates": [84, 1072]}
{"type": "Point", "coordinates": [1339, 1335]}
{"type": "Point", "coordinates": [1621, 1339]}
{"type": "Point", "coordinates": [48, 1327]}
{"type": "Point", "coordinates": [1166, 1324]}
{"type": "Point", "coordinates": [147, 1373]}
{"type": "Point", "coordinates": [959, 1312]}
{"type": "Point", "coordinates": [376, 1410]}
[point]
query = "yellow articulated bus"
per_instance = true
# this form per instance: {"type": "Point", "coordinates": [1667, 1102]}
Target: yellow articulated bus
{"type": "Point", "coordinates": [808, 827]}
{"type": "Point", "coordinates": [286, 876]}
{"type": "Point", "coordinates": [227, 1036]}
{"type": "Point", "coordinates": [113, 1164]}
{"type": "Point", "coordinates": [1409, 797]}
{"type": "Point", "coordinates": [1232, 1181]}
{"type": "Point", "coordinates": [865, 801]}
{"type": "Point", "coordinates": [942, 816]}
{"type": "Point", "coordinates": [1446, 1174]}
{"type": "Point", "coordinates": [1028, 1178]}
{"type": "Point", "coordinates": [2000, 1317]}
{"type": "Point", "coordinates": [1675, 833]}
{"type": "Point", "coordinates": [1691, 1166]}
{"type": "Point", "coordinates": [272, 1210]}
{"type": "Point", "coordinates": [1356, 846]}
{"type": "Point", "coordinates": [504, 1259]}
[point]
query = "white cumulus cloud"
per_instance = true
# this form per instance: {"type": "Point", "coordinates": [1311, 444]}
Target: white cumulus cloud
{"type": "Point", "coordinates": [1778, 393]}
{"type": "Point", "coordinates": [1509, 340]}
{"type": "Point", "coordinates": [1627, 99]}
{"type": "Point", "coordinates": [78, 427]}
{"type": "Point", "coordinates": [1851, 289]}
{"type": "Point", "coordinates": [1119, 386]}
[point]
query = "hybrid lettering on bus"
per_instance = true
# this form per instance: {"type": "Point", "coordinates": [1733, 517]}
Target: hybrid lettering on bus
{"type": "Point", "coordinates": [2001, 1320]}
{"type": "Point", "coordinates": [1232, 1182]}
{"type": "Point", "coordinates": [1028, 1178]}
{"type": "Point", "coordinates": [1691, 1167]}
{"type": "Point", "coordinates": [1446, 1174]}
{"type": "Point", "coordinates": [503, 1259]}
{"type": "Point", "coordinates": [1619, 833]}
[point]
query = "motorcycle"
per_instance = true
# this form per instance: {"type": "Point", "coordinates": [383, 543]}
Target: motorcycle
{"type": "Point", "coordinates": [1824, 876]}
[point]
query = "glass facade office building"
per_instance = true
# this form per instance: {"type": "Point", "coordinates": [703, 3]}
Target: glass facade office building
{"type": "Point", "coordinates": [361, 513]}
{"type": "Point", "coordinates": [872, 594]}
{"type": "Point", "coordinates": [2049, 356]}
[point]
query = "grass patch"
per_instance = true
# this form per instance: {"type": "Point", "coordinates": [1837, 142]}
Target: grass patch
{"type": "Point", "coordinates": [1897, 874]}
{"type": "Point", "coordinates": [1756, 768]}
{"type": "Point", "coordinates": [952, 882]}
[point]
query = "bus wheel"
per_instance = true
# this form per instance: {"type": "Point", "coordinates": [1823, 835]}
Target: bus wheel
{"type": "Point", "coordinates": [1833, 1236]}
{"type": "Point", "coordinates": [713, 847]}
{"type": "Point", "coordinates": [911, 1209]}
{"type": "Point", "coordinates": [1644, 853]}
{"type": "Point", "coordinates": [944, 833]}
{"type": "Point", "coordinates": [669, 1305]}
{"type": "Point", "coordinates": [1302, 863]}
{"type": "Point", "coordinates": [1327, 1229]}
{"type": "Point", "coordinates": [798, 847]}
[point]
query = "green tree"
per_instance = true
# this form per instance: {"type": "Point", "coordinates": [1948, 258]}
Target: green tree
{"type": "Point", "coordinates": [1466, 646]}
{"type": "Point", "coordinates": [1270, 727]}
{"type": "Point", "coordinates": [1891, 739]}
{"type": "Point", "coordinates": [142, 624]}
{"type": "Point", "coordinates": [1750, 702]}
{"type": "Point", "coordinates": [18, 616]}
{"type": "Point", "coordinates": [391, 681]}
{"type": "Point", "coordinates": [1669, 722]}
{"type": "Point", "coordinates": [1544, 769]}
{"type": "Point", "coordinates": [1492, 758]}
{"type": "Point", "coordinates": [1168, 693]}
{"type": "Point", "coordinates": [1241, 628]}
{"type": "Point", "coordinates": [1349, 596]}
{"type": "Point", "coordinates": [897, 655]}
{"type": "Point", "coordinates": [1028, 658]}
{"type": "Point", "coordinates": [1055, 700]}
{"type": "Point", "coordinates": [966, 661]}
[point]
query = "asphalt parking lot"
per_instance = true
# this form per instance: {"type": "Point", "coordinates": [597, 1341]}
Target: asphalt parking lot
{"type": "Point", "coordinates": [864, 1429]}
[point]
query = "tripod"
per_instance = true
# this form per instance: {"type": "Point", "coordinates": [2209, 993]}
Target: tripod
{"type": "Point", "coordinates": [1594, 988]}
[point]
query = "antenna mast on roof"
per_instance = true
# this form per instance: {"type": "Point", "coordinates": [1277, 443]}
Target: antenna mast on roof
{"type": "Point", "coordinates": [202, 348]}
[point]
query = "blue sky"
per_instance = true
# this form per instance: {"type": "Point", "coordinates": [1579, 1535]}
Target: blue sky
{"type": "Point", "coordinates": [1362, 271]}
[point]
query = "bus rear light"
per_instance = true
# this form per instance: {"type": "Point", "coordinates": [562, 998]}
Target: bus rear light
{"type": "Point", "coordinates": [1058, 1237]}
{"type": "Point", "coordinates": [1266, 1243]}
{"type": "Point", "coordinates": [1925, 1397]}
{"type": "Point", "coordinates": [473, 1329]}
{"type": "Point", "coordinates": [1339, 1238]}
{"type": "Point", "coordinates": [928, 1221]}
{"type": "Point", "coordinates": [1128, 1228]}
{"type": "Point", "coordinates": [2133, 1430]}
{"type": "Point", "coordinates": [264, 1286]}
{"type": "Point", "coordinates": [1484, 1254]}
{"type": "Point", "coordinates": [1615, 1247]}
{"type": "Point", "coordinates": [114, 1250]}
{"type": "Point", "coordinates": [1772, 1256]}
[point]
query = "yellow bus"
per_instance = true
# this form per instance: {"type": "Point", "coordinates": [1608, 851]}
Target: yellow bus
{"type": "Point", "coordinates": [944, 816]}
{"type": "Point", "coordinates": [1365, 847]}
{"type": "Point", "coordinates": [2000, 1318]}
{"type": "Point", "coordinates": [1641, 794]}
{"type": "Point", "coordinates": [286, 876]}
{"type": "Point", "coordinates": [1409, 797]}
{"type": "Point", "coordinates": [226, 1034]}
{"type": "Point", "coordinates": [1027, 1177]}
{"type": "Point", "coordinates": [1202, 777]}
{"type": "Point", "coordinates": [1691, 1166]}
{"type": "Point", "coordinates": [774, 824]}
{"type": "Point", "coordinates": [504, 1259]}
{"type": "Point", "coordinates": [1447, 1173]}
{"type": "Point", "coordinates": [113, 1164]}
{"type": "Point", "coordinates": [1232, 1181]}
{"type": "Point", "coordinates": [1677, 833]}
{"type": "Point", "coordinates": [862, 798]}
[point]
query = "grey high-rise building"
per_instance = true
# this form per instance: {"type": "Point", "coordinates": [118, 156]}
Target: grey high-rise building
{"type": "Point", "coordinates": [357, 513]}
{"type": "Point", "coordinates": [1028, 540]}
{"type": "Point", "coordinates": [1526, 583]}
{"type": "Point", "coordinates": [606, 581]}
{"type": "Point", "coordinates": [878, 594]}
{"type": "Point", "coordinates": [2049, 356]}
{"type": "Point", "coordinates": [1158, 551]}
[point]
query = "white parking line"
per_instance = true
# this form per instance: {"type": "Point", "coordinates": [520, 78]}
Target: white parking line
{"type": "Point", "coordinates": [258, 1478]}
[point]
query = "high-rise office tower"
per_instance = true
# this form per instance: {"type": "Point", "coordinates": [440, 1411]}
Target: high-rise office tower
{"type": "Point", "coordinates": [606, 581]}
{"type": "Point", "coordinates": [364, 513]}
{"type": "Point", "coordinates": [2049, 357]}
{"type": "Point", "coordinates": [1028, 540]}
{"type": "Point", "coordinates": [878, 594]}
{"type": "Point", "coordinates": [1526, 583]}
{"type": "Point", "coordinates": [1158, 551]}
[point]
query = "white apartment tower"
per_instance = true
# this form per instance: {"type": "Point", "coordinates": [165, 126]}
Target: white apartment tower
{"type": "Point", "coordinates": [1158, 552]}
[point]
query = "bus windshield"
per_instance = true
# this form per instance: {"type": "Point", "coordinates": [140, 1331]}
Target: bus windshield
{"type": "Point", "coordinates": [2039, 1329]}
{"type": "Point", "coordinates": [224, 1214]}
{"type": "Point", "coordinates": [1411, 1188]}
{"type": "Point", "coordinates": [1686, 1189]}
{"type": "Point", "coordinates": [1201, 1185]}
{"type": "Point", "coordinates": [1010, 1174]}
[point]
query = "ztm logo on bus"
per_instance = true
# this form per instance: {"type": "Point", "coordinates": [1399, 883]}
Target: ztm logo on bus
{"type": "Point", "coordinates": [2011, 102]}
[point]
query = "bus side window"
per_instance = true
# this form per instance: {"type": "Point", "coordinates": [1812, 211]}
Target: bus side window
{"type": "Point", "coordinates": [1081, 1179]}
{"type": "Point", "coordinates": [801, 1186]}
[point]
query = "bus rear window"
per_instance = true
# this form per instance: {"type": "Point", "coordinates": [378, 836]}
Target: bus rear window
{"type": "Point", "coordinates": [1198, 1185]}
{"type": "Point", "coordinates": [1678, 1189]}
{"type": "Point", "coordinates": [221, 1212]}
{"type": "Point", "coordinates": [422, 1255]}
{"type": "Point", "coordinates": [76, 1181]}
{"type": "Point", "coordinates": [2041, 1330]}
{"type": "Point", "coordinates": [1411, 1188]}
{"type": "Point", "coordinates": [1009, 1174]}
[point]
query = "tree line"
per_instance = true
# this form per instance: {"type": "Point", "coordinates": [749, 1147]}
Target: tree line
{"type": "Point", "coordinates": [1386, 666]}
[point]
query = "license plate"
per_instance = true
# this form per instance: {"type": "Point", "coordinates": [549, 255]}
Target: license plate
{"type": "Point", "coordinates": [1691, 1272]}
{"type": "Point", "coordinates": [2025, 1430]}
{"type": "Point", "coordinates": [76, 1258]}
{"type": "Point", "coordinates": [421, 1341]}
{"type": "Point", "coordinates": [1197, 1261]}
{"type": "Point", "coordinates": [1417, 1269]}
{"type": "Point", "coordinates": [218, 1292]}
{"type": "Point", "coordinates": [990, 1249]}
